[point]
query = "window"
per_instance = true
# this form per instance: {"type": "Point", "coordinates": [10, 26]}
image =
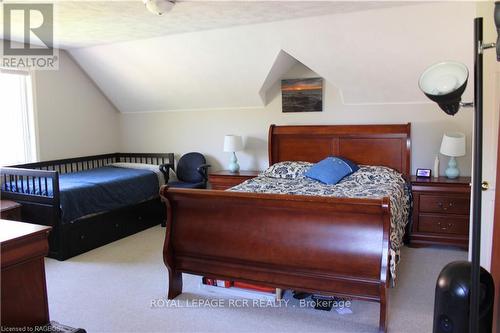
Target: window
{"type": "Point", "coordinates": [17, 125]}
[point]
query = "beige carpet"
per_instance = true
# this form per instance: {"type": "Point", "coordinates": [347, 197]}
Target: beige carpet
{"type": "Point", "coordinates": [111, 289]}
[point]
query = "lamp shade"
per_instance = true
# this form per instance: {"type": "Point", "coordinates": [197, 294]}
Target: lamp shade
{"type": "Point", "coordinates": [453, 144]}
{"type": "Point", "coordinates": [233, 143]}
{"type": "Point", "coordinates": [444, 83]}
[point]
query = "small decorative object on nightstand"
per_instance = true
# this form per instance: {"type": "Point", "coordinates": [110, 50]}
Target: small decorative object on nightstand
{"type": "Point", "coordinates": [222, 180]}
{"type": "Point", "coordinates": [232, 144]}
{"type": "Point", "coordinates": [424, 173]}
{"type": "Point", "coordinates": [435, 171]}
{"type": "Point", "coordinates": [453, 145]}
{"type": "Point", "coordinates": [441, 210]}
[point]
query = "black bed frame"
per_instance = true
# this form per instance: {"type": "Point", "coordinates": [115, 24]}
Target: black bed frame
{"type": "Point", "coordinates": [70, 239]}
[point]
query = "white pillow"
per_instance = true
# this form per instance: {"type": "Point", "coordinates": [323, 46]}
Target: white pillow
{"type": "Point", "coordinates": [172, 177]}
{"type": "Point", "coordinates": [144, 166]}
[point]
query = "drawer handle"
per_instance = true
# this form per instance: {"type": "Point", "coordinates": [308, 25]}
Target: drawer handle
{"type": "Point", "coordinates": [440, 204]}
{"type": "Point", "coordinates": [445, 227]}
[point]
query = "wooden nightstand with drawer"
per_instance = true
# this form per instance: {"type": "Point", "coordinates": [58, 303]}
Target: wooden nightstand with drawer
{"type": "Point", "coordinates": [222, 180]}
{"type": "Point", "coordinates": [441, 211]}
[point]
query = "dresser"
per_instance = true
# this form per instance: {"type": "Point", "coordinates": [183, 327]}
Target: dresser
{"type": "Point", "coordinates": [441, 211]}
{"type": "Point", "coordinates": [23, 288]}
{"type": "Point", "coordinates": [222, 180]}
{"type": "Point", "coordinates": [10, 210]}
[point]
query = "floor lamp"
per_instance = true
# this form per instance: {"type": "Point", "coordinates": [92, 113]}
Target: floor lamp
{"type": "Point", "coordinates": [444, 83]}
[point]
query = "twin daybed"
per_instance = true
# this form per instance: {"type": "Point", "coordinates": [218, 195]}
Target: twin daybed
{"type": "Point", "coordinates": [296, 234]}
{"type": "Point", "coordinates": [89, 201]}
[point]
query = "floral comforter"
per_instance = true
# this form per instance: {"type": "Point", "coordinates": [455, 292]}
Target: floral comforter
{"type": "Point", "coordinates": [367, 182]}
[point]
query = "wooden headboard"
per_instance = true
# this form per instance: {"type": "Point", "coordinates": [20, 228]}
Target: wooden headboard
{"type": "Point", "coordinates": [387, 145]}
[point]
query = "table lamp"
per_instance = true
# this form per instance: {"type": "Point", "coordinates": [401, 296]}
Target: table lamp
{"type": "Point", "coordinates": [453, 145]}
{"type": "Point", "coordinates": [232, 144]}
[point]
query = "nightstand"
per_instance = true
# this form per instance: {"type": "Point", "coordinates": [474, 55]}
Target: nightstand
{"type": "Point", "coordinates": [10, 210]}
{"type": "Point", "coordinates": [222, 180]}
{"type": "Point", "coordinates": [441, 211]}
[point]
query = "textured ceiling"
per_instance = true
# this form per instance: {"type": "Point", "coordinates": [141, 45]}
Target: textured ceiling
{"type": "Point", "coordinates": [90, 23]}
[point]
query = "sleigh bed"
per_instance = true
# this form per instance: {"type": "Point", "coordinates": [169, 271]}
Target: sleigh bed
{"type": "Point", "coordinates": [320, 244]}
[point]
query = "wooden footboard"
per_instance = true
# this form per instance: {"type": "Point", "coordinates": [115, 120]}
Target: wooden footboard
{"type": "Point", "coordinates": [336, 246]}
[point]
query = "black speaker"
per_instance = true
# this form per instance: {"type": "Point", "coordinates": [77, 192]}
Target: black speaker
{"type": "Point", "coordinates": [451, 306]}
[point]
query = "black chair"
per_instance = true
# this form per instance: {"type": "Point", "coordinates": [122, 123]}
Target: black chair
{"type": "Point", "coordinates": [192, 171]}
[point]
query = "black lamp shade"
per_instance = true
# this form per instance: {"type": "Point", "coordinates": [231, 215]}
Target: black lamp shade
{"type": "Point", "coordinates": [444, 83]}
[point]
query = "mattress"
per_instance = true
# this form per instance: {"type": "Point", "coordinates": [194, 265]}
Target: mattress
{"type": "Point", "coordinates": [368, 182]}
{"type": "Point", "coordinates": [98, 190]}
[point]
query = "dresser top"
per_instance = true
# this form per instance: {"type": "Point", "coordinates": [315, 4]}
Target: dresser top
{"type": "Point", "coordinates": [12, 230]}
{"type": "Point", "coordinates": [441, 181]}
{"type": "Point", "coordinates": [8, 204]}
{"type": "Point", "coordinates": [241, 173]}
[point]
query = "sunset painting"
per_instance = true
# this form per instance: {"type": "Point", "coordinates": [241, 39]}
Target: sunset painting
{"type": "Point", "coordinates": [302, 95]}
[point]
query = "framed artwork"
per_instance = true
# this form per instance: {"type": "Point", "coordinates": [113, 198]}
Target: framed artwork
{"type": "Point", "coordinates": [302, 95]}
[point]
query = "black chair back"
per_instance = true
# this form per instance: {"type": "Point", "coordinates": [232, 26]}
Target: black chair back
{"type": "Point", "coordinates": [187, 168]}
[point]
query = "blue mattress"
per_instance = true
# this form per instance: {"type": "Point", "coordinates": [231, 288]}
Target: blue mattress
{"type": "Point", "coordinates": [99, 190]}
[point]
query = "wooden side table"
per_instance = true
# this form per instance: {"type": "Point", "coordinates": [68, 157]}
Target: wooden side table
{"type": "Point", "coordinates": [10, 210]}
{"type": "Point", "coordinates": [23, 287]}
{"type": "Point", "coordinates": [441, 211]}
{"type": "Point", "coordinates": [222, 180]}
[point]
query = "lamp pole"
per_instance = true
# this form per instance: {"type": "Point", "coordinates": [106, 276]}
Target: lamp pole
{"type": "Point", "coordinates": [477, 175]}
{"type": "Point", "coordinates": [479, 47]}
{"type": "Point", "coordinates": [434, 82]}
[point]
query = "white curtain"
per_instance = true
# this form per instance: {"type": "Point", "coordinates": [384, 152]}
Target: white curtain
{"type": "Point", "coordinates": [17, 125]}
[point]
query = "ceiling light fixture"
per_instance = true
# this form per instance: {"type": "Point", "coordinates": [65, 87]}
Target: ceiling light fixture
{"type": "Point", "coordinates": [159, 7]}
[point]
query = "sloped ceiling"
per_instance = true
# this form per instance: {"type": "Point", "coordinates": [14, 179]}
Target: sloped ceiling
{"type": "Point", "coordinates": [283, 63]}
{"type": "Point", "coordinates": [371, 56]}
{"type": "Point", "coordinates": [285, 67]}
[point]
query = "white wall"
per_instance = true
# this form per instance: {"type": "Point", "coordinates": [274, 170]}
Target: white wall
{"type": "Point", "coordinates": [370, 60]}
{"type": "Point", "coordinates": [203, 131]}
{"type": "Point", "coordinates": [74, 117]}
{"type": "Point", "coordinates": [184, 92]}
{"type": "Point", "coordinates": [372, 56]}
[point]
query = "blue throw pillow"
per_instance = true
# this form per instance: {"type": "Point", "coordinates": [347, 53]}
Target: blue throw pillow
{"type": "Point", "coordinates": [331, 170]}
